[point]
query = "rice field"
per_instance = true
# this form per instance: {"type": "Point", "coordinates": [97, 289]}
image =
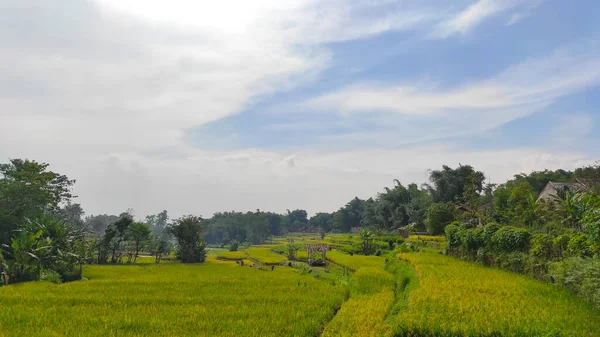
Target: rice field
{"type": "Point", "coordinates": [212, 299]}
{"type": "Point", "coordinates": [264, 255]}
{"type": "Point", "coordinates": [372, 296]}
{"type": "Point", "coordinates": [354, 262]}
{"type": "Point", "coordinates": [411, 294]}
{"type": "Point", "coordinates": [233, 256]}
{"type": "Point", "coordinates": [457, 298]}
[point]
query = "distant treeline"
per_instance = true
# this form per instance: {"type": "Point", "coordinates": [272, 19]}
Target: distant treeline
{"type": "Point", "coordinates": [44, 234]}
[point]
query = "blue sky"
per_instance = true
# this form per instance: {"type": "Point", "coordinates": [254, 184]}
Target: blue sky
{"type": "Point", "coordinates": [400, 57]}
{"type": "Point", "coordinates": [198, 107]}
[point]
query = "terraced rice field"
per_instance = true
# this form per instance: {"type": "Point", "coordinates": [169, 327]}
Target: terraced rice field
{"type": "Point", "coordinates": [213, 299]}
{"type": "Point", "coordinates": [409, 294]}
{"type": "Point", "coordinates": [457, 298]}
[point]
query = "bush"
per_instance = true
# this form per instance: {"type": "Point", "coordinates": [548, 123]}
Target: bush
{"type": "Point", "coordinates": [510, 239]}
{"type": "Point", "coordinates": [542, 247]}
{"type": "Point", "coordinates": [235, 245]}
{"type": "Point", "coordinates": [51, 276]}
{"type": "Point", "coordinates": [579, 275]}
{"type": "Point", "coordinates": [579, 245]}
{"type": "Point", "coordinates": [516, 262]}
{"type": "Point", "coordinates": [439, 216]}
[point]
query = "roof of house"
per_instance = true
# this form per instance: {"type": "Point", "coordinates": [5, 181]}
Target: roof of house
{"type": "Point", "coordinates": [552, 188]}
{"type": "Point", "coordinates": [573, 187]}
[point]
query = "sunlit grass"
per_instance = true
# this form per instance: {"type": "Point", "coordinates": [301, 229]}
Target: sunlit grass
{"type": "Point", "coordinates": [172, 300]}
{"type": "Point", "coordinates": [264, 255]}
{"type": "Point", "coordinates": [372, 296]}
{"type": "Point", "coordinates": [355, 261]}
{"type": "Point", "coordinates": [457, 298]}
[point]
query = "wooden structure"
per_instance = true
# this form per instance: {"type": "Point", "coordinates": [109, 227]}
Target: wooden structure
{"type": "Point", "coordinates": [404, 233]}
{"type": "Point", "coordinates": [317, 248]}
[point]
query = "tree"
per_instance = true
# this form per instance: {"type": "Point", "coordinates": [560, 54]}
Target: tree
{"type": "Point", "coordinates": [158, 223]}
{"type": "Point", "coordinates": [160, 247]}
{"type": "Point", "coordinates": [291, 249]}
{"type": "Point", "coordinates": [28, 190]}
{"type": "Point", "coordinates": [115, 234]}
{"type": "Point", "coordinates": [439, 216]}
{"type": "Point", "coordinates": [138, 232]}
{"type": "Point", "coordinates": [73, 217]}
{"type": "Point", "coordinates": [187, 231]}
{"type": "Point", "coordinates": [367, 238]}
{"type": "Point", "coordinates": [44, 245]}
{"type": "Point", "coordinates": [97, 224]}
{"type": "Point", "coordinates": [450, 185]}
{"type": "Point", "coordinates": [322, 221]}
{"type": "Point", "coordinates": [297, 218]}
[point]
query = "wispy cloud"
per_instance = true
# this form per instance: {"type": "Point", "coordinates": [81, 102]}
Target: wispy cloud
{"type": "Point", "coordinates": [522, 13]}
{"type": "Point", "coordinates": [472, 16]}
{"type": "Point", "coordinates": [516, 92]}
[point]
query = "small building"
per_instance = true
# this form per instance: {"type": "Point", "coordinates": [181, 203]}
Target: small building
{"type": "Point", "coordinates": [355, 230]}
{"type": "Point", "coordinates": [554, 190]}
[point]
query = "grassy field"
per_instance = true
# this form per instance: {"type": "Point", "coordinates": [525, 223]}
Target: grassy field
{"type": "Point", "coordinates": [213, 299]}
{"type": "Point", "coordinates": [355, 261]}
{"type": "Point", "coordinates": [264, 255]}
{"type": "Point", "coordinates": [372, 296]}
{"type": "Point", "coordinates": [457, 298]}
{"type": "Point", "coordinates": [411, 294]}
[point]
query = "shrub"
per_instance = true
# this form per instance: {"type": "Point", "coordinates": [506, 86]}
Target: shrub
{"type": "Point", "coordinates": [579, 275]}
{"type": "Point", "coordinates": [51, 276]}
{"type": "Point", "coordinates": [439, 216]}
{"type": "Point", "coordinates": [542, 246]}
{"type": "Point", "coordinates": [511, 239]}
{"type": "Point", "coordinates": [579, 245]}
{"type": "Point", "coordinates": [234, 246]}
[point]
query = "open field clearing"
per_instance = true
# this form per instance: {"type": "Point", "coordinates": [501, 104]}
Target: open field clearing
{"type": "Point", "coordinates": [214, 299]}
{"type": "Point", "coordinates": [457, 298]}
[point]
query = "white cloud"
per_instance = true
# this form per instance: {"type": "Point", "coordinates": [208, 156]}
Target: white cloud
{"type": "Point", "coordinates": [477, 12]}
{"type": "Point", "coordinates": [571, 129]}
{"type": "Point", "coordinates": [521, 14]}
{"type": "Point", "coordinates": [518, 91]}
{"type": "Point", "coordinates": [104, 91]}
{"type": "Point", "coordinates": [205, 182]}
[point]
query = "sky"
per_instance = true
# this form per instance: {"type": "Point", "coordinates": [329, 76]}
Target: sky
{"type": "Point", "coordinates": [204, 106]}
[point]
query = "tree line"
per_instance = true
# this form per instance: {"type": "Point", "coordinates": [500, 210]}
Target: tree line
{"type": "Point", "coordinates": [44, 234]}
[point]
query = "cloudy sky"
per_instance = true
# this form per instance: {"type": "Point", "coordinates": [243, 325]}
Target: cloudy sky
{"type": "Point", "coordinates": [204, 106]}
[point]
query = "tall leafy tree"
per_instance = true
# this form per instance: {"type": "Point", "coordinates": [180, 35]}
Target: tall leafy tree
{"type": "Point", "coordinates": [28, 190]}
{"type": "Point", "coordinates": [450, 185]}
{"type": "Point", "coordinates": [321, 220]}
{"type": "Point", "coordinates": [187, 231]}
{"type": "Point", "coordinates": [138, 233]}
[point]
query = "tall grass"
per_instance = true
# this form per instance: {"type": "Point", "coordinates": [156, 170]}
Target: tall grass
{"type": "Point", "coordinates": [172, 300]}
{"type": "Point", "coordinates": [372, 296]}
{"type": "Point", "coordinates": [457, 298]}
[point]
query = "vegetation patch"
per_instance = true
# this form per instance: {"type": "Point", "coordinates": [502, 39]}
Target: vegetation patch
{"type": "Point", "coordinates": [457, 298]}
{"type": "Point", "coordinates": [172, 300]}
{"type": "Point", "coordinates": [354, 262]}
{"type": "Point", "coordinates": [372, 296]}
{"type": "Point", "coordinates": [264, 255]}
